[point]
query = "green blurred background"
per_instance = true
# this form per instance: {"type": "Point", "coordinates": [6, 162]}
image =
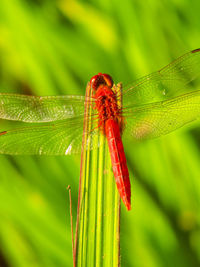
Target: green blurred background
{"type": "Point", "coordinates": [50, 47]}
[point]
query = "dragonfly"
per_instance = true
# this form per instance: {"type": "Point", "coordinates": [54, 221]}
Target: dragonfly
{"type": "Point", "coordinates": [152, 106]}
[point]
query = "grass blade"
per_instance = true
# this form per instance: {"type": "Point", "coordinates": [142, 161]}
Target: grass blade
{"type": "Point", "coordinates": [97, 232]}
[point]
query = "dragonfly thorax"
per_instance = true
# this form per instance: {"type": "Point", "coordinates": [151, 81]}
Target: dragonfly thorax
{"type": "Point", "coordinates": [106, 105]}
{"type": "Point", "coordinates": [105, 99]}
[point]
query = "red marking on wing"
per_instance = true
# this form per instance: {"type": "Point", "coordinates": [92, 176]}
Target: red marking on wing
{"type": "Point", "coordinates": [2, 133]}
{"type": "Point", "coordinates": [118, 160]}
{"type": "Point", "coordinates": [196, 50]}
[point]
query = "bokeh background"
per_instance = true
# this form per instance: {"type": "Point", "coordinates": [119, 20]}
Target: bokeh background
{"type": "Point", "coordinates": [50, 47]}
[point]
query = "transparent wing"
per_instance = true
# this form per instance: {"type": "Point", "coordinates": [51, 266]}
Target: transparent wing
{"type": "Point", "coordinates": [40, 109]}
{"type": "Point", "coordinates": [60, 138]}
{"type": "Point", "coordinates": [168, 82]}
{"type": "Point", "coordinates": [156, 119]}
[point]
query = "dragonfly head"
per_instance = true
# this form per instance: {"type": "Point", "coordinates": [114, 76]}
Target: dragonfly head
{"type": "Point", "coordinates": [101, 79]}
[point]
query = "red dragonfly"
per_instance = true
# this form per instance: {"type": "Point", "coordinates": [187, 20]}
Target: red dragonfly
{"type": "Point", "coordinates": [152, 106]}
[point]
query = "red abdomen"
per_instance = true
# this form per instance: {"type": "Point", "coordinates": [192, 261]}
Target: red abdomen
{"type": "Point", "coordinates": [118, 160]}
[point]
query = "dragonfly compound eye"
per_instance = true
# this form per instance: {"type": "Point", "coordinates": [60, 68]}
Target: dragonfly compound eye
{"type": "Point", "coordinates": [101, 79]}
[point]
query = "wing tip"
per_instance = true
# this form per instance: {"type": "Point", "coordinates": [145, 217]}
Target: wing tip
{"type": "Point", "coordinates": [2, 133]}
{"type": "Point", "coordinates": [195, 50]}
